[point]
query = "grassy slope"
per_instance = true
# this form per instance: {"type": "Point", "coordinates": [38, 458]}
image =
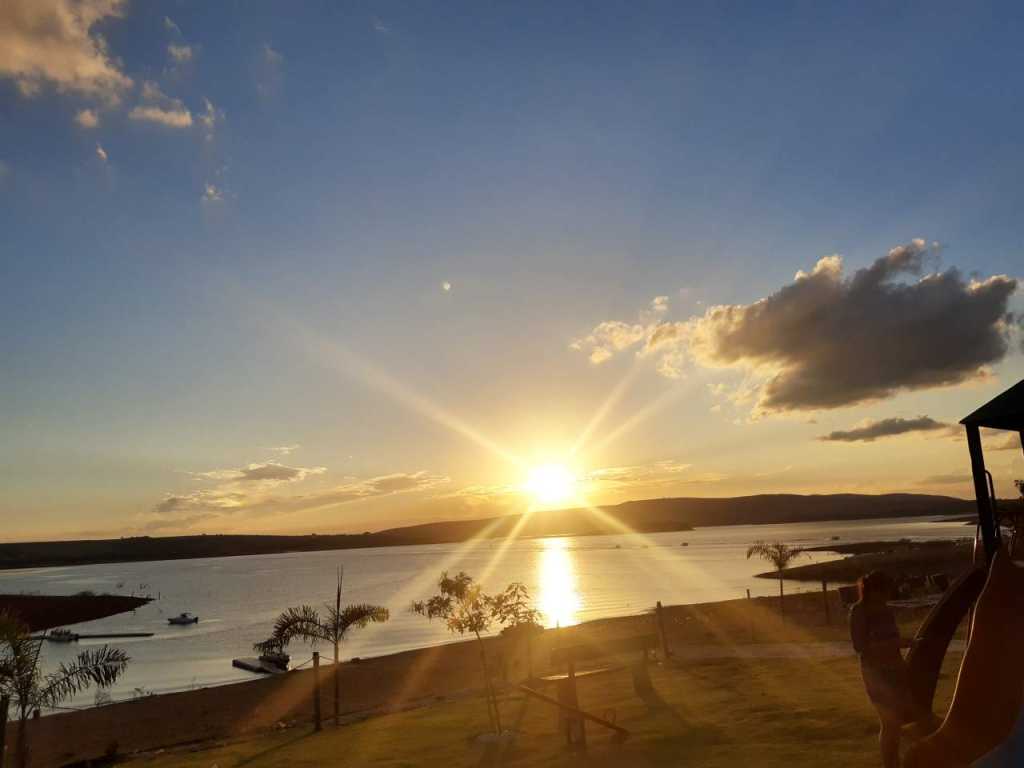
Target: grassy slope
{"type": "Point", "coordinates": [769, 713]}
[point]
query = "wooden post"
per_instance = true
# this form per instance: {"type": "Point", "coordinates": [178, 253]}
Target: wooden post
{"type": "Point", "coordinates": [316, 691]}
{"type": "Point", "coordinates": [666, 654]}
{"type": "Point", "coordinates": [824, 596]}
{"type": "Point", "coordinates": [5, 702]}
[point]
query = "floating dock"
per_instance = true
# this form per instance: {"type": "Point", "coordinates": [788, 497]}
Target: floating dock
{"type": "Point", "coordinates": [72, 637]}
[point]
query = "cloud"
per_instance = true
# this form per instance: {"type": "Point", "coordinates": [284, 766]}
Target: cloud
{"type": "Point", "coordinates": [87, 118]}
{"type": "Point", "coordinates": [872, 430]}
{"type": "Point", "coordinates": [659, 473]}
{"type": "Point", "coordinates": [159, 108]}
{"type": "Point", "coordinates": [170, 26]}
{"type": "Point", "coordinates": [252, 491]}
{"type": "Point", "coordinates": [285, 450]}
{"type": "Point", "coordinates": [1006, 442]}
{"type": "Point", "coordinates": [829, 341]}
{"type": "Point", "coordinates": [212, 194]}
{"type": "Point", "coordinates": [380, 26]}
{"type": "Point", "coordinates": [950, 479]}
{"type": "Point", "coordinates": [51, 42]}
{"type": "Point", "coordinates": [101, 153]}
{"type": "Point", "coordinates": [446, 286]}
{"type": "Point", "coordinates": [180, 54]}
{"type": "Point", "coordinates": [659, 304]}
{"type": "Point", "coordinates": [209, 119]}
{"type": "Point", "coordinates": [270, 472]}
{"type": "Point", "coordinates": [269, 71]}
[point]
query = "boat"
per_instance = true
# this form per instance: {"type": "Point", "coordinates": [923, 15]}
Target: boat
{"type": "Point", "coordinates": [183, 618]}
{"type": "Point", "coordinates": [62, 635]}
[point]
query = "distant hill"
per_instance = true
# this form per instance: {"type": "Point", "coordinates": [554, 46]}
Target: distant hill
{"type": "Point", "coordinates": [647, 516]}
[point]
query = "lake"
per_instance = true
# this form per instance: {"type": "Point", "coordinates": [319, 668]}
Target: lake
{"type": "Point", "coordinates": [571, 579]}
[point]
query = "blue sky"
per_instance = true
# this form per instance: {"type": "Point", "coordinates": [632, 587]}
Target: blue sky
{"type": "Point", "coordinates": [184, 295]}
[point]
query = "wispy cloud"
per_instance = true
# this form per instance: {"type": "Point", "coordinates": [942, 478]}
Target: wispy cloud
{"type": "Point", "coordinates": [212, 194]}
{"type": "Point", "coordinates": [87, 118]}
{"type": "Point", "coordinates": [870, 431]}
{"type": "Point", "coordinates": [950, 479]}
{"type": "Point", "coordinates": [52, 42]}
{"type": "Point", "coordinates": [258, 490]}
{"type": "Point", "coordinates": [159, 108]}
{"type": "Point", "coordinates": [179, 54]}
{"type": "Point", "coordinates": [101, 153]}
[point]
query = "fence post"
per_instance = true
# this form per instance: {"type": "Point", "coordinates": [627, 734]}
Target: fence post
{"type": "Point", "coordinates": [5, 702]}
{"type": "Point", "coordinates": [316, 690]}
{"type": "Point", "coordinates": [666, 654]}
{"type": "Point", "coordinates": [824, 596]}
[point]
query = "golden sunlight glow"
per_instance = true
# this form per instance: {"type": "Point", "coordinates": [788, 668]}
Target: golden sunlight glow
{"type": "Point", "coordinates": [558, 599]}
{"type": "Point", "coordinates": [550, 484]}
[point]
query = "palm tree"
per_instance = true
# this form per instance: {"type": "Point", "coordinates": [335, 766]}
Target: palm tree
{"type": "Point", "coordinates": [305, 623]}
{"type": "Point", "coordinates": [21, 680]}
{"type": "Point", "coordinates": [778, 554]}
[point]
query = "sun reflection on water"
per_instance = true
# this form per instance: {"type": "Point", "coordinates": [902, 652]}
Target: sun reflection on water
{"type": "Point", "coordinates": [558, 599]}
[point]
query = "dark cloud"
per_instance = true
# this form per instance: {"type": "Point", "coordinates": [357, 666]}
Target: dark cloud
{"type": "Point", "coordinates": [829, 340]}
{"type": "Point", "coordinates": [873, 430]}
{"type": "Point", "coordinates": [835, 341]}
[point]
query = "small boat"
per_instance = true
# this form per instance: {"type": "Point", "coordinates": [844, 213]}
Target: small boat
{"type": "Point", "coordinates": [62, 635]}
{"type": "Point", "coordinates": [183, 618]}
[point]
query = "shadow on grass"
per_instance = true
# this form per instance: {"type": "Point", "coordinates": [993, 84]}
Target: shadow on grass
{"type": "Point", "coordinates": [271, 750]}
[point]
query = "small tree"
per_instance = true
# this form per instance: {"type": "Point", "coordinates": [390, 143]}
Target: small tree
{"type": "Point", "coordinates": [466, 609]}
{"type": "Point", "coordinates": [29, 689]}
{"type": "Point", "coordinates": [514, 610]}
{"type": "Point", "coordinates": [779, 555]}
{"type": "Point", "coordinates": [305, 623]}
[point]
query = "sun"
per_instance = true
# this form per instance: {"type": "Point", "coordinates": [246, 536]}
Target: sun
{"type": "Point", "coordinates": [550, 484]}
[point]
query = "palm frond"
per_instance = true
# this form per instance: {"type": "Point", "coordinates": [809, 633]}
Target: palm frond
{"type": "Point", "coordinates": [303, 623]}
{"type": "Point", "coordinates": [359, 616]}
{"type": "Point", "coordinates": [101, 667]}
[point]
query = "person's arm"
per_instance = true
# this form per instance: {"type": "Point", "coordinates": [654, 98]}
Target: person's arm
{"type": "Point", "coordinates": [858, 628]}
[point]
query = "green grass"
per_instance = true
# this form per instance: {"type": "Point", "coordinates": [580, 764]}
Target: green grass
{"type": "Point", "coordinates": [769, 713]}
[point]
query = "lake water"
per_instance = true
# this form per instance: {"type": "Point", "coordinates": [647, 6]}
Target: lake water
{"type": "Point", "coordinates": [571, 579]}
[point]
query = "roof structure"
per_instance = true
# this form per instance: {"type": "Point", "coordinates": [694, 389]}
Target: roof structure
{"type": "Point", "coordinates": [1005, 411]}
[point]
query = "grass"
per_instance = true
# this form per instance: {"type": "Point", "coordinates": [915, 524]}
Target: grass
{"type": "Point", "coordinates": [768, 712]}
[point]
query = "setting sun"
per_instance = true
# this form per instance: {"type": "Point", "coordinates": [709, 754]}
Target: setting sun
{"type": "Point", "coordinates": [550, 484]}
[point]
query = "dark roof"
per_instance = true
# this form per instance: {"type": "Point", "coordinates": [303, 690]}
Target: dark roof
{"type": "Point", "coordinates": [42, 612]}
{"type": "Point", "coordinates": [1005, 411]}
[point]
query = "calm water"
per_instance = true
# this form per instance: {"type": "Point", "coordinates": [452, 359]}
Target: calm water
{"type": "Point", "coordinates": [572, 579]}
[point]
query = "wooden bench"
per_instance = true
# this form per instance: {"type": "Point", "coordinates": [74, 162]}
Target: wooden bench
{"type": "Point", "coordinates": [572, 719]}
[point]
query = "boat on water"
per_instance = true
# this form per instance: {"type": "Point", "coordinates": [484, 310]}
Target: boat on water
{"type": "Point", "coordinates": [61, 635]}
{"type": "Point", "coordinates": [183, 618]}
{"type": "Point", "coordinates": [266, 664]}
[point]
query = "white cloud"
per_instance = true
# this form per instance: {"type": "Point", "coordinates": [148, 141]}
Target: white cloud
{"type": "Point", "coordinates": [446, 286]}
{"type": "Point", "coordinates": [179, 53]}
{"type": "Point", "coordinates": [170, 26]}
{"type": "Point", "coordinates": [269, 71]}
{"type": "Point", "coordinates": [285, 450]}
{"type": "Point", "coordinates": [101, 153]}
{"type": "Point", "coordinates": [51, 42]}
{"type": "Point", "coordinates": [87, 118]}
{"type": "Point", "coordinates": [212, 194]}
{"type": "Point", "coordinates": [209, 119]}
{"type": "Point", "coordinates": [159, 108]}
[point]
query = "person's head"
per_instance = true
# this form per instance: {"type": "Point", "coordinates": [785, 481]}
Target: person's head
{"type": "Point", "coordinates": [875, 587]}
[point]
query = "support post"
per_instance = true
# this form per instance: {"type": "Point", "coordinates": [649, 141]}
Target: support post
{"type": "Point", "coordinates": [5, 702]}
{"type": "Point", "coordinates": [989, 532]}
{"type": "Point", "coordinates": [824, 597]}
{"type": "Point", "coordinates": [316, 691]}
{"type": "Point", "coordinates": [660, 616]}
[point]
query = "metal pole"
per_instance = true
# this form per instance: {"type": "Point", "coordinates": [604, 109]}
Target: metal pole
{"type": "Point", "coordinates": [989, 532]}
{"type": "Point", "coordinates": [316, 691]}
{"type": "Point", "coordinates": [5, 702]}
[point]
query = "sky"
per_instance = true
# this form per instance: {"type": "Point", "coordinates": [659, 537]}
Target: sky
{"type": "Point", "coordinates": [334, 267]}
